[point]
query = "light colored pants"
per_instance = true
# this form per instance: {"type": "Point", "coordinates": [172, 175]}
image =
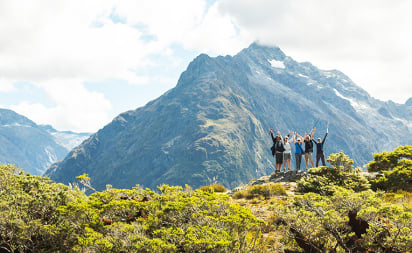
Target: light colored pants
{"type": "Point", "coordinates": [308, 157]}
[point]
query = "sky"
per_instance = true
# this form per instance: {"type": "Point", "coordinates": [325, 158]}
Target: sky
{"type": "Point", "coordinates": [77, 64]}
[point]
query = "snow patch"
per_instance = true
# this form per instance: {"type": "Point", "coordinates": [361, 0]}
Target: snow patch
{"type": "Point", "coordinates": [277, 64]}
{"type": "Point", "coordinates": [15, 125]}
{"type": "Point", "coordinates": [50, 154]}
{"type": "Point", "coordinates": [69, 140]}
{"type": "Point", "coordinates": [329, 74]}
{"type": "Point", "coordinates": [359, 106]}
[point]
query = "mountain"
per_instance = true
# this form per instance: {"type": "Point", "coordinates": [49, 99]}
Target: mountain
{"type": "Point", "coordinates": [67, 139]}
{"type": "Point", "coordinates": [28, 145]}
{"type": "Point", "coordinates": [214, 125]}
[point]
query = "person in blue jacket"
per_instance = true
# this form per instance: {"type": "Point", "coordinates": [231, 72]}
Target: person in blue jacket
{"type": "Point", "coordinates": [298, 150]}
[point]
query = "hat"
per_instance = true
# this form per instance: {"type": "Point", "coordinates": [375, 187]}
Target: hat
{"type": "Point", "coordinates": [286, 136]}
{"type": "Point", "coordinates": [298, 139]}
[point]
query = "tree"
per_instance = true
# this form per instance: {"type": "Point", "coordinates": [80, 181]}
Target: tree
{"type": "Point", "coordinates": [389, 160]}
{"type": "Point", "coordinates": [345, 221]}
{"type": "Point", "coordinates": [395, 168]}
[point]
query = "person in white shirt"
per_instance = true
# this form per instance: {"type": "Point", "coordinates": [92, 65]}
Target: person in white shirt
{"type": "Point", "coordinates": [287, 154]}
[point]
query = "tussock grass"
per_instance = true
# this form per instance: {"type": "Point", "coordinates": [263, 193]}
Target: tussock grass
{"type": "Point", "coordinates": [213, 188]}
{"type": "Point", "coordinates": [266, 191]}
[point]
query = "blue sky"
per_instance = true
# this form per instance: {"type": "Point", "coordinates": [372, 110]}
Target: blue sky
{"type": "Point", "coordinates": [78, 64]}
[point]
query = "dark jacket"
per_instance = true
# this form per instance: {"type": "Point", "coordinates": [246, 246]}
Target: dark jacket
{"type": "Point", "coordinates": [277, 145]}
{"type": "Point", "coordinates": [308, 146]}
{"type": "Point", "coordinates": [319, 145]}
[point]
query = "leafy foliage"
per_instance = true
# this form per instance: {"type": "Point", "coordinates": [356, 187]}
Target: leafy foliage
{"type": "Point", "coordinates": [335, 212]}
{"type": "Point", "coordinates": [323, 179]}
{"type": "Point", "coordinates": [345, 221]}
{"type": "Point", "coordinates": [28, 204]}
{"type": "Point", "coordinates": [396, 167]}
{"type": "Point", "coordinates": [38, 215]}
{"type": "Point", "coordinates": [389, 160]}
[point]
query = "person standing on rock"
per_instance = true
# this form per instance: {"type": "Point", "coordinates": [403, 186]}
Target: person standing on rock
{"type": "Point", "coordinates": [309, 149]}
{"type": "Point", "coordinates": [287, 154]}
{"type": "Point", "coordinates": [277, 150]}
{"type": "Point", "coordinates": [319, 149]}
{"type": "Point", "coordinates": [298, 150]}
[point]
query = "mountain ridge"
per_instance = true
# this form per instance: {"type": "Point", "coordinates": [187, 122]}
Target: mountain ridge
{"type": "Point", "coordinates": [213, 125]}
{"type": "Point", "coordinates": [28, 145]}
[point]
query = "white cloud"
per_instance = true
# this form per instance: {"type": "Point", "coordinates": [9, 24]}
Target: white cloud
{"type": "Point", "coordinates": [367, 40]}
{"type": "Point", "coordinates": [60, 45]}
{"type": "Point", "coordinates": [6, 85]}
{"type": "Point", "coordinates": [75, 109]}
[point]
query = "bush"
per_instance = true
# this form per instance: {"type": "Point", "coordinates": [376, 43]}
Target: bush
{"type": "Point", "coordinates": [396, 169]}
{"type": "Point", "coordinates": [265, 190]}
{"type": "Point", "coordinates": [37, 215]}
{"type": "Point", "coordinates": [323, 179]}
{"type": "Point", "coordinates": [28, 204]}
{"type": "Point", "coordinates": [213, 188]}
{"type": "Point", "coordinates": [388, 161]}
{"type": "Point", "coordinates": [345, 221]}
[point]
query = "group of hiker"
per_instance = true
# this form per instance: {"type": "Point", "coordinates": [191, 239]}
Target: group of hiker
{"type": "Point", "coordinates": [282, 149]}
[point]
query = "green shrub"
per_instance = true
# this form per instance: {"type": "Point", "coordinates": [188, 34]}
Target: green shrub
{"type": "Point", "coordinates": [37, 215]}
{"type": "Point", "coordinates": [242, 194]}
{"type": "Point", "coordinates": [396, 169]}
{"type": "Point", "coordinates": [213, 188]}
{"type": "Point", "coordinates": [323, 179]}
{"type": "Point", "coordinates": [265, 190]}
{"type": "Point", "coordinates": [333, 223]}
{"type": "Point", "coordinates": [389, 160]}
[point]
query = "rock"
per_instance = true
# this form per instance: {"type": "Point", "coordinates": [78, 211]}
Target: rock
{"type": "Point", "coordinates": [288, 176]}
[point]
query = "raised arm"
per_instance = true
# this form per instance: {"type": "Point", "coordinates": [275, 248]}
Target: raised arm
{"type": "Point", "coordinates": [324, 138]}
{"type": "Point", "coordinates": [271, 135]}
{"type": "Point", "coordinates": [291, 132]}
{"type": "Point", "coordinates": [313, 132]}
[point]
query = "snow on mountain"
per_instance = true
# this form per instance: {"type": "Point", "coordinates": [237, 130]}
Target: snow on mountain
{"type": "Point", "coordinates": [67, 139]}
{"type": "Point", "coordinates": [277, 64]}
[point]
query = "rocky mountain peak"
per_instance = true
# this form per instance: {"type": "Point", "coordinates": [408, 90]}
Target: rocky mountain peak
{"type": "Point", "coordinates": [10, 118]}
{"type": "Point", "coordinates": [265, 51]}
{"type": "Point", "coordinates": [213, 126]}
{"type": "Point", "coordinates": [409, 102]}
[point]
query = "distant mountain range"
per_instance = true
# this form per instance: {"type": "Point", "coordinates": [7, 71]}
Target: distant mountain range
{"type": "Point", "coordinates": [214, 125]}
{"type": "Point", "coordinates": [30, 146]}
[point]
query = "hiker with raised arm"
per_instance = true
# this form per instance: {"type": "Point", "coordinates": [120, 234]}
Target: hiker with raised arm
{"type": "Point", "coordinates": [309, 149]}
{"type": "Point", "coordinates": [298, 150]}
{"type": "Point", "coordinates": [287, 154]}
{"type": "Point", "coordinates": [277, 149]}
{"type": "Point", "coordinates": [319, 149]}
